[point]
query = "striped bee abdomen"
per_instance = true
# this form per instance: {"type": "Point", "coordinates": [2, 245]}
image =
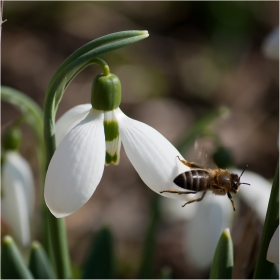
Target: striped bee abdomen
{"type": "Point", "coordinates": [195, 180]}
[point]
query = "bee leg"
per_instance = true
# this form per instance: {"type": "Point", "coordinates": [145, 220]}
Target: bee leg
{"type": "Point", "coordinates": [231, 199]}
{"type": "Point", "coordinates": [178, 192]}
{"type": "Point", "coordinates": [184, 162]}
{"type": "Point", "coordinates": [190, 164]}
{"type": "Point", "coordinates": [194, 200]}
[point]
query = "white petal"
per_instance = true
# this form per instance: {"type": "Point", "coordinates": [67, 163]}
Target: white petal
{"type": "Point", "coordinates": [76, 167]}
{"type": "Point", "coordinates": [152, 155]}
{"type": "Point", "coordinates": [18, 195]}
{"type": "Point", "coordinates": [69, 120]}
{"type": "Point", "coordinates": [271, 44]}
{"type": "Point", "coordinates": [257, 194]}
{"type": "Point", "coordinates": [213, 215]}
{"type": "Point", "coordinates": [273, 248]}
{"type": "Point", "coordinates": [172, 210]}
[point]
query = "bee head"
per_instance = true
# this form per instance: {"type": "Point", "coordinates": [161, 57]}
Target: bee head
{"type": "Point", "coordinates": [235, 182]}
{"type": "Point", "coordinates": [235, 179]}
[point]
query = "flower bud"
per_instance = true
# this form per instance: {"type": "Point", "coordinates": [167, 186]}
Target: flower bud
{"type": "Point", "coordinates": [12, 139]}
{"type": "Point", "coordinates": [106, 92]}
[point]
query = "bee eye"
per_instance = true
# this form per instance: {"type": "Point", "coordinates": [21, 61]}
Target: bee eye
{"type": "Point", "coordinates": [235, 185]}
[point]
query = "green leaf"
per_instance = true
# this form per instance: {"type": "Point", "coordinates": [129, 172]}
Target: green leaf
{"type": "Point", "coordinates": [12, 264]}
{"type": "Point", "coordinates": [264, 267]}
{"type": "Point", "coordinates": [223, 259]}
{"type": "Point", "coordinates": [274, 273]}
{"type": "Point", "coordinates": [100, 262]}
{"type": "Point", "coordinates": [146, 270]}
{"type": "Point", "coordinates": [166, 273]}
{"type": "Point", "coordinates": [39, 264]}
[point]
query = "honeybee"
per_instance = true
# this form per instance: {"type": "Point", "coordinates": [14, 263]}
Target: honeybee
{"type": "Point", "coordinates": [201, 179]}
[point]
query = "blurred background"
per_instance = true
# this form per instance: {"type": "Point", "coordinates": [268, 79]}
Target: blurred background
{"type": "Point", "coordinates": [200, 57]}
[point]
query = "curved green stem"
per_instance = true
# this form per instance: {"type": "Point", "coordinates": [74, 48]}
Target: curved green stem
{"type": "Point", "coordinates": [99, 42]}
{"type": "Point", "coordinates": [68, 70]}
{"type": "Point", "coordinates": [103, 64]}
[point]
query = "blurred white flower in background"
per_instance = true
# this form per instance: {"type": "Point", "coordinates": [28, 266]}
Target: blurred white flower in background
{"type": "Point", "coordinates": [206, 220]}
{"type": "Point", "coordinates": [270, 45]}
{"type": "Point", "coordinates": [273, 248]}
{"type": "Point", "coordinates": [17, 196]}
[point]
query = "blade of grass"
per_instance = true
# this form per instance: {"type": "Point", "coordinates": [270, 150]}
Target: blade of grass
{"type": "Point", "coordinates": [263, 267]}
{"type": "Point", "coordinates": [12, 264]}
{"type": "Point", "coordinates": [223, 259]}
{"type": "Point", "coordinates": [100, 262]}
{"type": "Point", "coordinates": [146, 270]}
{"type": "Point", "coordinates": [39, 263]}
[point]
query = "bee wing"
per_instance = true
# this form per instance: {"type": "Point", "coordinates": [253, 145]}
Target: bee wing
{"type": "Point", "coordinates": [203, 148]}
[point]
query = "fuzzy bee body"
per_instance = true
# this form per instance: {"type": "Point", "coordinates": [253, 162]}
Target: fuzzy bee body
{"type": "Point", "coordinates": [200, 179]}
{"type": "Point", "coordinates": [196, 180]}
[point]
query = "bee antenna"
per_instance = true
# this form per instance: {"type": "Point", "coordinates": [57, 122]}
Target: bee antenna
{"type": "Point", "coordinates": [243, 171]}
{"type": "Point", "coordinates": [246, 184]}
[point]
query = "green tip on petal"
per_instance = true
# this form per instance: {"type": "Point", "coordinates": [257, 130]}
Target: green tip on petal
{"type": "Point", "coordinates": [111, 159]}
{"type": "Point", "coordinates": [111, 129]}
{"type": "Point", "coordinates": [112, 138]}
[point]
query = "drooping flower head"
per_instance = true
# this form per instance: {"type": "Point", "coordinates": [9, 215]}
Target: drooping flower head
{"type": "Point", "coordinates": [89, 136]}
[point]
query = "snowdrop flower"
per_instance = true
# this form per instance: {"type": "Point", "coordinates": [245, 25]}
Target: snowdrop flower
{"type": "Point", "coordinates": [90, 136]}
{"type": "Point", "coordinates": [270, 46]}
{"type": "Point", "coordinates": [273, 248]}
{"type": "Point", "coordinates": [17, 195]}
